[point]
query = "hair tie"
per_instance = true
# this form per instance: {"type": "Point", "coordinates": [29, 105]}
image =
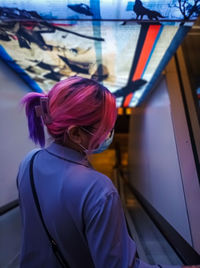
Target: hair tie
{"type": "Point", "coordinates": [43, 110]}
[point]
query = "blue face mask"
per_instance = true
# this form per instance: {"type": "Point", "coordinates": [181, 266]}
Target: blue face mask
{"type": "Point", "coordinates": [102, 147]}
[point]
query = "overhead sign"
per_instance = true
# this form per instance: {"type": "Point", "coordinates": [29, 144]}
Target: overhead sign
{"type": "Point", "coordinates": [123, 44]}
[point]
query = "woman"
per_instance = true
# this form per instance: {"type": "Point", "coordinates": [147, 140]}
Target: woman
{"type": "Point", "coordinates": [81, 208]}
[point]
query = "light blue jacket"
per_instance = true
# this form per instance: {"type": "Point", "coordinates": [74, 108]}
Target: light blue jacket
{"type": "Point", "coordinates": [82, 211]}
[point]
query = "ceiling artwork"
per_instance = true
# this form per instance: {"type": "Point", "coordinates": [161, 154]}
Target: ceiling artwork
{"type": "Point", "coordinates": [123, 44]}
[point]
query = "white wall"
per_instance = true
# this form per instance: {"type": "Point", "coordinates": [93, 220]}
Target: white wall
{"type": "Point", "coordinates": [14, 141]}
{"type": "Point", "coordinates": [153, 161]}
{"type": "Point", "coordinates": [182, 118]}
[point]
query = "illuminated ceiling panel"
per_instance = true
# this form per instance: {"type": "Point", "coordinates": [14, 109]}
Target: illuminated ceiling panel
{"type": "Point", "coordinates": [123, 44]}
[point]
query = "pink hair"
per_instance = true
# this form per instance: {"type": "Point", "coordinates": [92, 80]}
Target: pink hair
{"type": "Point", "coordinates": [75, 101]}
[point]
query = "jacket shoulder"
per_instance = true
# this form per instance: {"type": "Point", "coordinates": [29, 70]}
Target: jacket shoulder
{"type": "Point", "coordinates": [24, 163]}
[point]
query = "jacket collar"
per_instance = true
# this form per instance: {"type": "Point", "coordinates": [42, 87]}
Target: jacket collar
{"type": "Point", "coordinates": [68, 154]}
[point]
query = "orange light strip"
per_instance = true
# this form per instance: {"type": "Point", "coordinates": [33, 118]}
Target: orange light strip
{"type": "Point", "coordinates": [128, 111]}
{"type": "Point", "coordinates": [120, 111]}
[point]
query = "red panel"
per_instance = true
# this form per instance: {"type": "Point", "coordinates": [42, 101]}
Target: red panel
{"type": "Point", "coordinates": [128, 99]}
{"type": "Point", "coordinates": [146, 50]}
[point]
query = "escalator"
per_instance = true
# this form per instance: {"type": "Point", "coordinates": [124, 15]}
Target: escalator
{"type": "Point", "coordinates": [152, 247]}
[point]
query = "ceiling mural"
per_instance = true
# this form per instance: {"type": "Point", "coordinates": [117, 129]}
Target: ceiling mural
{"type": "Point", "coordinates": [123, 44]}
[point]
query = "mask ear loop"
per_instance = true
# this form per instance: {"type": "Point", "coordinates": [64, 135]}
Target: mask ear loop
{"type": "Point", "coordinates": [83, 148]}
{"type": "Point", "coordinates": [84, 129]}
{"type": "Point", "coordinates": [89, 132]}
{"type": "Point", "coordinates": [67, 131]}
{"type": "Point", "coordinates": [112, 133]}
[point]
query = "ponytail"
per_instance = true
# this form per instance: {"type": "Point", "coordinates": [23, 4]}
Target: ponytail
{"type": "Point", "coordinates": [35, 123]}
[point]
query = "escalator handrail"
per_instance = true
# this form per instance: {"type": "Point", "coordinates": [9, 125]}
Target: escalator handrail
{"type": "Point", "coordinates": [11, 205]}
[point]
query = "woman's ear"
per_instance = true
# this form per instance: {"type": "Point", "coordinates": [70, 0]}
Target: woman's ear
{"type": "Point", "coordinates": [75, 135]}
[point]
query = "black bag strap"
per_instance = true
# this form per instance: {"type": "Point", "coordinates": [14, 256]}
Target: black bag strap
{"type": "Point", "coordinates": [54, 245]}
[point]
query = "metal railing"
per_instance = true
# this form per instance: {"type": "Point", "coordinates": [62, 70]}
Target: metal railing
{"type": "Point", "coordinates": [11, 205]}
